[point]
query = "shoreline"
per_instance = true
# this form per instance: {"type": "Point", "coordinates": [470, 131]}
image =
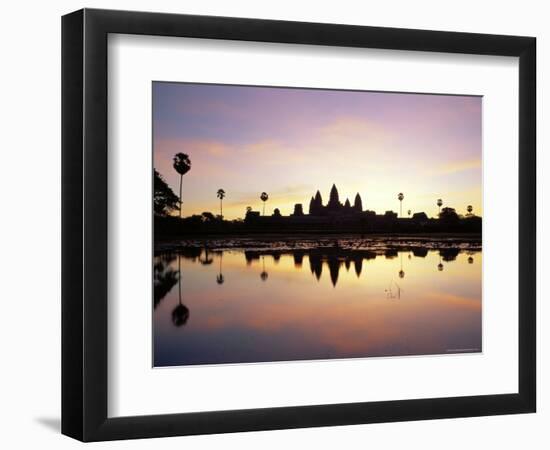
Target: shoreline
{"type": "Point", "coordinates": [328, 242]}
{"type": "Point", "coordinates": [297, 236]}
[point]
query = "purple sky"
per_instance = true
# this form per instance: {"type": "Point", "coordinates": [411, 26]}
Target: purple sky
{"type": "Point", "coordinates": [291, 142]}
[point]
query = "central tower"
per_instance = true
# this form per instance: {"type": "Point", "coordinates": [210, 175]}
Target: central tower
{"type": "Point", "coordinates": [334, 199]}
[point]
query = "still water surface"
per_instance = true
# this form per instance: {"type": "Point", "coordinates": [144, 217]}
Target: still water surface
{"type": "Point", "coordinates": [280, 303]}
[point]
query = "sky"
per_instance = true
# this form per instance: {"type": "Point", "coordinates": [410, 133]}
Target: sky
{"type": "Point", "coordinates": [292, 142]}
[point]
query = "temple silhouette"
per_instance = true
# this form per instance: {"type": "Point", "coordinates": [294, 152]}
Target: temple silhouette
{"type": "Point", "coordinates": [334, 210]}
{"type": "Point", "coordinates": [333, 217]}
{"type": "Point", "coordinates": [334, 206]}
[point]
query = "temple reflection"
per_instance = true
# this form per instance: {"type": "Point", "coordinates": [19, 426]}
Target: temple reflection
{"type": "Point", "coordinates": [262, 297]}
{"type": "Point", "coordinates": [333, 257]}
{"type": "Point", "coordinates": [298, 259]}
{"type": "Point", "coordinates": [334, 269]}
{"type": "Point", "coordinates": [358, 263]}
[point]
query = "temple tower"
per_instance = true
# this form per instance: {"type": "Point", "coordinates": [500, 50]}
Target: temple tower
{"type": "Point", "coordinates": [334, 199]}
{"type": "Point", "coordinates": [316, 205]}
{"type": "Point", "coordinates": [358, 203]}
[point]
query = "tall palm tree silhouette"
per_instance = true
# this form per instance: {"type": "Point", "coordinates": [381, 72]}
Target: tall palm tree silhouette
{"type": "Point", "coordinates": [221, 194]}
{"type": "Point", "coordinates": [470, 209]}
{"type": "Point", "coordinates": [400, 197]}
{"type": "Point", "coordinates": [182, 165]}
{"type": "Point", "coordinates": [439, 204]}
{"type": "Point", "coordinates": [263, 198]}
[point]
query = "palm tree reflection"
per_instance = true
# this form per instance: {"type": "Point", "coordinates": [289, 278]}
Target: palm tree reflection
{"type": "Point", "coordinates": [207, 260]}
{"type": "Point", "coordinates": [401, 273]}
{"type": "Point", "coordinates": [180, 314]}
{"type": "Point", "coordinates": [264, 275]}
{"type": "Point", "coordinates": [220, 279]}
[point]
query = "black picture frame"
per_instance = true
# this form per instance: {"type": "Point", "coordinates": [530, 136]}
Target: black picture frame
{"type": "Point", "coordinates": [84, 224]}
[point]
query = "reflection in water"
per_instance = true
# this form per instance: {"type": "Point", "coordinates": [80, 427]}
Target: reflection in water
{"type": "Point", "coordinates": [207, 259]}
{"type": "Point", "coordinates": [164, 278]}
{"type": "Point", "coordinates": [390, 291]}
{"type": "Point", "coordinates": [420, 252]}
{"type": "Point", "coordinates": [449, 254]}
{"type": "Point", "coordinates": [401, 272]}
{"type": "Point", "coordinates": [358, 263]}
{"type": "Point", "coordinates": [321, 313]}
{"type": "Point", "coordinates": [298, 259]}
{"type": "Point", "coordinates": [219, 278]}
{"type": "Point", "coordinates": [264, 275]}
{"type": "Point", "coordinates": [180, 314]}
{"type": "Point", "coordinates": [440, 265]}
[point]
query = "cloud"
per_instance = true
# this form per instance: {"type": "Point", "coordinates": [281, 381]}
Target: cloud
{"type": "Point", "coordinates": [457, 166]}
{"type": "Point", "coordinates": [168, 147]}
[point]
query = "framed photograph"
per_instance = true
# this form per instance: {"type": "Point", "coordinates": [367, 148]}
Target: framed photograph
{"type": "Point", "coordinates": [273, 224]}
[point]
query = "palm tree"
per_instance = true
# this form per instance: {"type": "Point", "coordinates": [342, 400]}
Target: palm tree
{"type": "Point", "coordinates": [400, 197]}
{"type": "Point", "coordinates": [439, 204]}
{"type": "Point", "coordinates": [221, 195]}
{"type": "Point", "coordinates": [469, 209]}
{"type": "Point", "coordinates": [263, 198]}
{"type": "Point", "coordinates": [182, 165]}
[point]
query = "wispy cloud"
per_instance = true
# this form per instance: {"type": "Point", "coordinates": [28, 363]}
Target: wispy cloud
{"type": "Point", "coordinates": [457, 166]}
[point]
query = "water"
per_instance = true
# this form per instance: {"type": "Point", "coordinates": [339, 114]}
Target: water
{"type": "Point", "coordinates": [259, 301]}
